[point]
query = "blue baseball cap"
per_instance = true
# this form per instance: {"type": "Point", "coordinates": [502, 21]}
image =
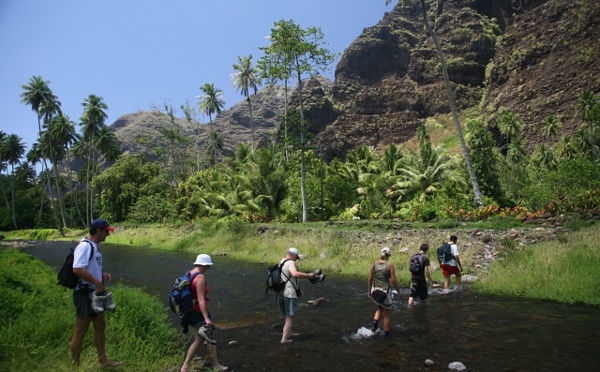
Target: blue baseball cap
{"type": "Point", "coordinates": [101, 224]}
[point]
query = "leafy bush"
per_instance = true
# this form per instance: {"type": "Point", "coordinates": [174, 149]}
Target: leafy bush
{"type": "Point", "coordinates": [152, 209]}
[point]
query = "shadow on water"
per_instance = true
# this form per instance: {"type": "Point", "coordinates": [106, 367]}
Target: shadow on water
{"type": "Point", "coordinates": [485, 333]}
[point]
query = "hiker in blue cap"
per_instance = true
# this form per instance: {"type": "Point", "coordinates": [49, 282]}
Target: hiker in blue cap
{"type": "Point", "coordinates": [89, 295]}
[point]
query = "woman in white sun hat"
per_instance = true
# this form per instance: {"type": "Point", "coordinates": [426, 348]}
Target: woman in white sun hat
{"type": "Point", "coordinates": [199, 317]}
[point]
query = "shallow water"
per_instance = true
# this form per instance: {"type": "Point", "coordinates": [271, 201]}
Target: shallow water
{"type": "Point", "coordinates": [485, 333]}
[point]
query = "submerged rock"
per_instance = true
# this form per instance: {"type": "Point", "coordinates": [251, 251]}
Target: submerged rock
{"type": "Point", "coordinates": [457, 366]}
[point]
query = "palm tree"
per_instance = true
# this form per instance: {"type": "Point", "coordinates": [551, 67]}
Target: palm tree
{"type": "Point", "coordinates": [463, 145]}
{"type": "Point", "coordinates": [391, 160]}
{"type": "Point", "coordinates": [565, 148]}
{"type": "Point", "coordinates": [588, 107]}
{"type": "Point", "coordinates": [298, 52]}
{"type": "Point", "coordinates": [35, 94]}
{"type": "Point", "coordinates": [44, 103]}
{"type": "Point", "coordinates": [510, 126]}
{"type": "Point", "coordinates": [12, 151]}
{"type": "Point", "coordinates": [551, 127]}
{"type": "Point", "coordinates": [211, 103]}
{"type": "Point", "coordinates": [2, 165]}
{"type": "Point", "coordinates": [266, 178]}
{"type": "Point", "coordinates": [246, 79]}
{"type": "Point", "coordinates": [62, 135]}
{"type": "Point", "coordinates": [424, 176]}
{"type": "Point", "coordinates": [543, 158]}
{"type": "Point", "coordinates": [92, 122]}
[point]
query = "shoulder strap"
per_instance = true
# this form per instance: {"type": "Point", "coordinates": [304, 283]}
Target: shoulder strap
{"type": "Point", "coordinates": [282, 273]}
{"type": "Point", "coordinates": [91, 246]}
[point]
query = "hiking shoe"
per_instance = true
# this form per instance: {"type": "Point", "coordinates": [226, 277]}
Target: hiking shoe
{"type": "Point", "coordinates": [220, 367]}
{"type": "Point", "coordinates": [207, 333]}
{"type": "Point", "coordinates": [97, 302]}
{"type": "Point", "coordinates": [319, 277]}
{"type": "Point", "coordinates": [109, 304]}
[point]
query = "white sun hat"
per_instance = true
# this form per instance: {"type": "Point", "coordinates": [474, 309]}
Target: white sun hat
{"type": "Point", "coordinates": [204, 260]}
{"type": "Point", "coordinates": [387, 251]}
{"type": "Point", "coordinates": [294, 251]}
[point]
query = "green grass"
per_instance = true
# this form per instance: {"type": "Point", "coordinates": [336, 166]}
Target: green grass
{"type": "Point", "coordinates": [37, 318]}
{"type": "Point", "coordinates": [564, 270]}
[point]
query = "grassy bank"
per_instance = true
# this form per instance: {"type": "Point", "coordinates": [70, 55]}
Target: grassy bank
{"type": "Point", "coordinates": [565, 270]}
{"type": "Point", "coordinates": [37, 318]}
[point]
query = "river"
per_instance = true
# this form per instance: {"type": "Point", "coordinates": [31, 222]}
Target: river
{"type": "Point", "coordinates": [485, 333]}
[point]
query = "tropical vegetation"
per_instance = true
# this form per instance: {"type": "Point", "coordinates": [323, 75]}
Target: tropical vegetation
{"type": "Point", "coordinates": [85, 175]}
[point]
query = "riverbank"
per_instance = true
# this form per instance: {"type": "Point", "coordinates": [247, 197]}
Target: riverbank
{"type": "Point", "coordinates": [37, 316]}
{"type": "Point", "coordinates": [544, 261]}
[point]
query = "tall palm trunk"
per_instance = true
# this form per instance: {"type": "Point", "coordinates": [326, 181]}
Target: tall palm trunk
{"type": "Point", "coordinates": [285, 120]}
{"type": "Point", "coordinates": [463, 145]}
{"type": "Point", "coordinates": [61, 205]}
{"type": "Point", "coordinates": [251, 124]}
{"type": "Point", "coordinates": [14, 218]}
{"type": "Point", "coordinates": [70, 172]}
{"type": "Point", "coordinates": [302, 157]}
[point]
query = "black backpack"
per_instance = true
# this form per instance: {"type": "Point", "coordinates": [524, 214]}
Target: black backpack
{"type": "Point", "coordinates": [444, 253]}
{"type": "Point", "coordinates": [66, 276]}
{"type": "Point", "coordinates": [275, 281]}
{"type": "Point", "coordinates": [416, 263]}
{"type": "Point", "coordinates": [180, 298]}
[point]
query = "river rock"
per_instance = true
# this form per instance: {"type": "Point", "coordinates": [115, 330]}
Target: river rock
{"type": "Point", "coordinates": [457, 366]}
{"type": "Point", "coordinates": [469, 278]}
{"type": "Point", "coordinates": [233, 343]}
{"type": "Point", "coordinates": [486, 238]}
{"type": "Point", "coordinates": [317, 301]}
{"type": "Point", "coordinates": [429, 362]}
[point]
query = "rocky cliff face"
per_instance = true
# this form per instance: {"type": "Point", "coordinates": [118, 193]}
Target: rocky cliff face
{"type": "Point", "coordinates": [547, 56]}
{"type": "Point", "coordinates": [533, 57]}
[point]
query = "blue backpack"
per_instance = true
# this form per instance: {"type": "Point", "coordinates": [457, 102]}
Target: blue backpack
{"type": "Point", "coordinates": [181, 300]}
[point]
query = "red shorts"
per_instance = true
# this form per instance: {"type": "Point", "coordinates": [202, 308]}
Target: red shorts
{"type": "Point", "coordinates": [448, 270]}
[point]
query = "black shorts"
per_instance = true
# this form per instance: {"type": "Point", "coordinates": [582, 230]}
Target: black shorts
{"type": "Point", "coordinates": [418, 287]}
{"type": "Point", "coordinates": [83, 303]}
{"type": "Point", "coordinates": [195, 318]}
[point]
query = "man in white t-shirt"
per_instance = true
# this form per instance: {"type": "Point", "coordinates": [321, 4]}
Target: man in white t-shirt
{"type": "Point", "coordinates": [453, 266]}
{"type": "Point", "coordinates": [87, 265]}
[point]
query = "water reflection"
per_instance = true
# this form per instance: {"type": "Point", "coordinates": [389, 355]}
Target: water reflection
{"type": "Point", "coordinates": [485, 333]}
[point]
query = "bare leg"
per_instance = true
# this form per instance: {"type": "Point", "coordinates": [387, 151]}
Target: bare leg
{"type": "Point", "coordinates": [377, 313]}
{"type": "Point", "coordinates": [446, 281]}
{"type": "Point", "coordinates": [287, 329]}
{"type": "Point", "coordinates": [81, 328]}
{"type": "Point", "coordinates": [100, 342]}
{"type": "Point", "coordinates": [192, 351]}
{"type": "Point", "coordinates": [386, 320]}
{"type": "Point", "coordinates": [410, 301]}
{"type": "Point", "coordinates": [212, 353]}
{"type": "Point", "coordinates": [458, 279]}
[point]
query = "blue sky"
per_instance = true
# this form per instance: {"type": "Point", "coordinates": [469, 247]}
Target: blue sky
{"type": "Point", "coordinates": [136, 53]}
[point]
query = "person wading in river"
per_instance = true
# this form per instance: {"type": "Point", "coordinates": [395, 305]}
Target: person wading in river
{"type": "Point", "coordinates": [380, 274]}
{"type": "Point", "coordinates": [288, 298]}
{"type": "Point", "coordinates": [418, 285]}
{"type": "Point", "coordinates": [199, 317]}
{"type": "Point", "coordinates": [92, 276]}
{"type": "Point", "coordinates": [452, 266]}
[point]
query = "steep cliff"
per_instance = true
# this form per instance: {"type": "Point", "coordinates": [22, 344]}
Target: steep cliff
{"type": "Point", "coordinates": [533, 57]}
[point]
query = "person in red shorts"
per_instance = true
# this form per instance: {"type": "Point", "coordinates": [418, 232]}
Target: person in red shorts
{"type": "Point", "coordinates": [453, 266]}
